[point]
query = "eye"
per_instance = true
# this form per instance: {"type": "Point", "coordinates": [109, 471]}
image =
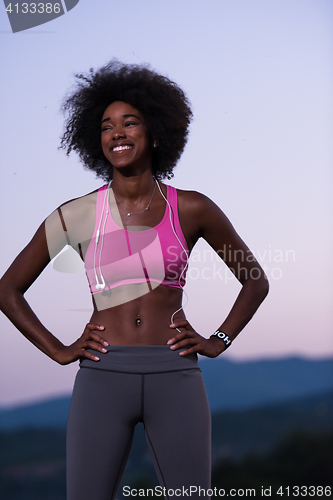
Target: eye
{"type": "Point", "coordinates": [106, 127]}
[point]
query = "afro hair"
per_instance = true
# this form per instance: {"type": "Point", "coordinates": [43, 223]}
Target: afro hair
{"type": "Point", "coordinates": [162, 103]}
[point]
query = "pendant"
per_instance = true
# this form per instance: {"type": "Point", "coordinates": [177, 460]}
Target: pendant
{"type": "Point", "coordinates": [128, 215]}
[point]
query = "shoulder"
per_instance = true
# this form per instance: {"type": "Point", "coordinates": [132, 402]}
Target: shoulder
{"type": "Point", "coordinates": [76, 217]}
{"type": "Point", "coordinates": [203, 214]}
{"type": "Point", "coordinates": [195, 203]}
{"type": "Point", "coordinates": [78, 206]}
{"type": "Point", "coordinates": [199, 215]}
{"type": "Point", "coordinates": [191, 198]}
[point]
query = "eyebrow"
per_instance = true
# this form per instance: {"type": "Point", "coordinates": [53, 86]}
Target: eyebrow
{"type": "Point", "coordinates": [124, 116]}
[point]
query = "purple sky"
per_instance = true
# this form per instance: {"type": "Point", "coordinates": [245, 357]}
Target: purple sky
{"type": "Point", "coordinates": [258, 75]}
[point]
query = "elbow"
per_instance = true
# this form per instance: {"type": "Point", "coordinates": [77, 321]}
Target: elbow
{"type": "Point", "coordinates": [265, 288]}
{"type": "Point", "coordinates": [260, 283]}
{"type": "Point", "coordinates": [3, 296]}
{"type": "Point", "coordinates": [7, 295]}
{"type": "Point", "coordinates": [2, 293]}
{"type": "Point", "coordinates": [262, 287]}
{"type": "Point", "coordinates": [259, 287]}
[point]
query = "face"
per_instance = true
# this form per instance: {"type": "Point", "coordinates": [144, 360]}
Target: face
{"type": "Point", "coordinates": [125, 138]}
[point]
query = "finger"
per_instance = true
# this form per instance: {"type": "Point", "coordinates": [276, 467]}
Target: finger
{"type": "Point", "coordinates": [180, 323]}
{"type": "Point", "coordinates": [95, 336]}
{"type": "Point", "coordinates": [93, 326]}
{"type": "Point", "coordinates": [180, 336]}
{"type": "Point", "coordinates": [189, 351]}
{"type": "Point", "coordinates": [202, 347]}
{"type": "Point", "coordinates": [184, 343]}
{"type": "Point", "coordinates": [89, 331]}
{"type": "Point", "coordinates": [91, 344]}
{"type": "Point", "coordinates": [88, 355]}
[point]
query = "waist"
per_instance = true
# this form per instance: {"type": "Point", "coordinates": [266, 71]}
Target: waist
{"type": "Point", "coordinates": [147, 359]}
{"type": "Point", "coordinates": [154, 311]}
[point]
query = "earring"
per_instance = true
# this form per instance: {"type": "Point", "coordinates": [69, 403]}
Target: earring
{"type": "Point", "coordinates": [155, 144]}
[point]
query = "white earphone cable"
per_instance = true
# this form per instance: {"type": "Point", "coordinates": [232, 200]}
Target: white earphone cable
{"type": "Point", "coordinates": [99, 285]}
{"type": "Point", "coordinates": [185, 251]}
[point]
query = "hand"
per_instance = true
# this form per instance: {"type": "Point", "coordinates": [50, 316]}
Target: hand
{"type": "Point", "coordinates": [89, 339]}
{"type": "Point", "coordinates": [211, 347]}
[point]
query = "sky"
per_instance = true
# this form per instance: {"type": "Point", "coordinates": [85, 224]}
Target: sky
{"type": "Point", "coordinates": [258, 74]}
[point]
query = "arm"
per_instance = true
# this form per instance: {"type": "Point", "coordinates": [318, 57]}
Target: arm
{"type": "Point", "coordinates": [25, 269]}
{"type": "Point", "coordinates": [216, 229]}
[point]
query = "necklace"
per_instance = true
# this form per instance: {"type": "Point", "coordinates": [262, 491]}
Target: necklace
{"type": "Point", "coordinates": [135, 213]}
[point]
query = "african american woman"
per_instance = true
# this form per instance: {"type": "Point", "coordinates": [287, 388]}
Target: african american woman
{"type": "Point", "coordinates": [138, 353]}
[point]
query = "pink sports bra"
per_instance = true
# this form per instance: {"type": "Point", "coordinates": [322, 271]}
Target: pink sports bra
{"type": "Point", "coordinates": [117, 256]}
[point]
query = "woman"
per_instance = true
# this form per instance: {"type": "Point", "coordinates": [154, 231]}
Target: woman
{"type": "Point", "coordinates": [138, 354]}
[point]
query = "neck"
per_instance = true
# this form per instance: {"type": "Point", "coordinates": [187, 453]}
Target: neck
{"type": "Point", "coordinates": [133, 187]}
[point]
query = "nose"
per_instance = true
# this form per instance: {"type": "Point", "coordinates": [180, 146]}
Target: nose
{"type": "Point", "coordinates": [118, 133]}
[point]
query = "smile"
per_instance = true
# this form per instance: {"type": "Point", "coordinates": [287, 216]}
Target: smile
{"type": "Point", "coordinates": [120, 148]}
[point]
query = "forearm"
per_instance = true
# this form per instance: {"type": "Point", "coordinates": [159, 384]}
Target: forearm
{"type": "Point", "coordinates": [249, 299]}
{"type": "Point", "coordinates": [17, 309]}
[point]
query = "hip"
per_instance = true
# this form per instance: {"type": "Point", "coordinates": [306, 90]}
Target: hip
{"type": "Point", "coordinates": [141, 359]}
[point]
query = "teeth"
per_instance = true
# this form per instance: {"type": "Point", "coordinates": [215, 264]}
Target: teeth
{"type": "Point", "coordinates": [120, 148]}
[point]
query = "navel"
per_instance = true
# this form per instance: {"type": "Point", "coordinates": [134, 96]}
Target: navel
{"type": "Point", "coordinates": [138, 320]}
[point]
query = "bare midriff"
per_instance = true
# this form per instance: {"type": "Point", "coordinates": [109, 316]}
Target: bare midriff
{"type": "Point", "coordinates": [143, 321]}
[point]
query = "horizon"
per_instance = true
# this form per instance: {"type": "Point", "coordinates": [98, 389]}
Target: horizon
{"type": "Point", "coordinates": [65, 395]}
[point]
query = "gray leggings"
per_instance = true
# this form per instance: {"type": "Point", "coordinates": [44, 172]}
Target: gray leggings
{"type": "Point", "coordinates": [131, 384]}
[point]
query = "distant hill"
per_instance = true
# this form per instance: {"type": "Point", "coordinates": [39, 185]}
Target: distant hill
{"type": "Point", "coordinates": [236, 385]}
{"type": "Point", "coordinates": [256, 430]}
{"type": "Point", "coordinates": [230, 386]}
{"type": "Point", "coordinates": [49, 413]}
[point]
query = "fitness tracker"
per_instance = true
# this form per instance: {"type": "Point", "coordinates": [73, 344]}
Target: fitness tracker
{"type": "Point", "coordinates": [224, 337]}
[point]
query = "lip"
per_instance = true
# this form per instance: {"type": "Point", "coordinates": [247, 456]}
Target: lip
{"type": "Point", "coordinates": [119, 148]}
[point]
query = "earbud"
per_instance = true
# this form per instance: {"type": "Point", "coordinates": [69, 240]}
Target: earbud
{"type": "Point", "coordinates": [100, 286]}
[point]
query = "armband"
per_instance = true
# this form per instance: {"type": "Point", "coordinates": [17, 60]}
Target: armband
{"type": "Point", "coordinates": [224, 337]}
